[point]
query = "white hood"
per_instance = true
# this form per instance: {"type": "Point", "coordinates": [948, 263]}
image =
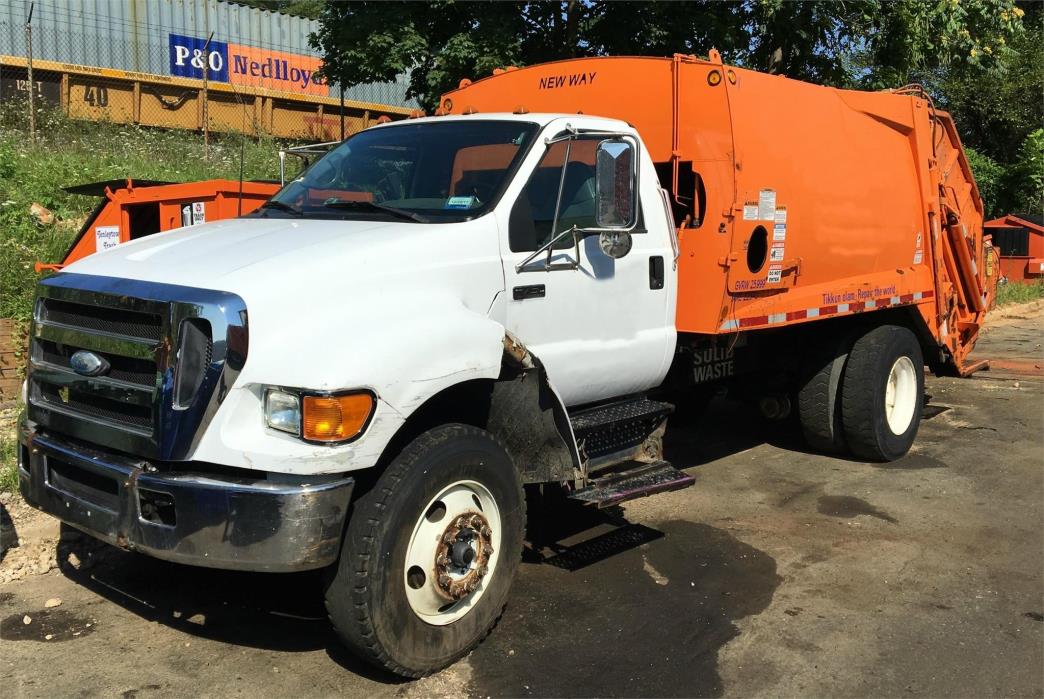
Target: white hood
{"type": "Point", "coordinates": [332, 302]}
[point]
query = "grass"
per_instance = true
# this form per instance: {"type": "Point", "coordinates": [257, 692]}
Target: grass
{"type": "Point", "coordinates": [68, 153]}
{"type": "Point", "coordinates": [1020, 292]}
{"type": "Point", "coordinates": [75, 152]}
{"type": "Point", "coordinates": [8, 463]}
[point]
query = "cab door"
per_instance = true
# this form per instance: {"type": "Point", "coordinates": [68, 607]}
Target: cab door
{"type": "Point", "coordinates": [603, 326]}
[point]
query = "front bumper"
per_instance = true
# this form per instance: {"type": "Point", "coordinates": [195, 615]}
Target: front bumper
{"type": "Point", "coordinates": [199, 519]}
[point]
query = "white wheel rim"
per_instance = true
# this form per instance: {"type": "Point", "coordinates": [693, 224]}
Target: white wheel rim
{"type": "Point", "coordinates": [429, 554]}
{"type": "Point", "coordinates": [901, 395]}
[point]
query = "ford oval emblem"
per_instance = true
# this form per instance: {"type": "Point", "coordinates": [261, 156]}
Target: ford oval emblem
{"type": "Point", "coordinates": [87, 363]}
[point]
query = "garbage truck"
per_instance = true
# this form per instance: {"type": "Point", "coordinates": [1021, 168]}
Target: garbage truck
{"type": "Point", "coordinates": [367, 373]}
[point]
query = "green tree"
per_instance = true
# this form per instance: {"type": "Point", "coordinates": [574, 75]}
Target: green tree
{"type": "Point", "coordinates": [989, 176]}
{"type": "Point", "coordinates": [871, 43]}
{"type": "Point", "coordinates": [1024, 182]}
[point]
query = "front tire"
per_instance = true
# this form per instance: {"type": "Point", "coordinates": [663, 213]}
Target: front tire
{"type": "Point", "coordinates": [883, 393]}
{"type": "Point", "coordinates": [430, 553]}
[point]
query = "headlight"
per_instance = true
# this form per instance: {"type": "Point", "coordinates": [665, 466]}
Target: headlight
{"type": "Point", "coordinates": [283, 411]}
{"type": "Point", "coordinates": [328, 418]}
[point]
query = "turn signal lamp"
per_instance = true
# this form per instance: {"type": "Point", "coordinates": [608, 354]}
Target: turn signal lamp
{"type": "Point", "coordinates": [714, 77]}
{"type": "Point", "coordinates": [335, 418]}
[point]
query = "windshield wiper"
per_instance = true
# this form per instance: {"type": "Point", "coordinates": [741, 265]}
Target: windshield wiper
{"type": "Point", "coordinates": [377, 208]}
{"type": "Point", "coordinates": [276, 204]}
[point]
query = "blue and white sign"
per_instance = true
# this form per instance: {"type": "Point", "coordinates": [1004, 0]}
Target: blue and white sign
{"type": "Point", "coordinates": [187, 60]}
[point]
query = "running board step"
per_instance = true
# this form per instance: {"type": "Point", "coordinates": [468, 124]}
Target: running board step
{"type": "Point", "coordinates": [613, 428]}
{"type": "Point", "coordinates": [637, 482]}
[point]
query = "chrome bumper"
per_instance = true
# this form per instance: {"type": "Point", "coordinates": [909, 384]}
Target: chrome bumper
{"type": "Point", "coordinates": [199, 519]}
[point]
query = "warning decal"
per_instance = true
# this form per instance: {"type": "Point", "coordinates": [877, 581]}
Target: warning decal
{"type": "Point", "coordinates": [767, 205]}
{"type": "Point", "coordinates": [750, 211]}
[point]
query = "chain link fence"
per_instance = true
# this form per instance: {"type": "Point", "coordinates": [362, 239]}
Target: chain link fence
{"type": "Point", "coordinates": [206, 66]}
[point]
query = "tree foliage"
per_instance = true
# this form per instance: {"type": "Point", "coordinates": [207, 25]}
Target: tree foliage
{"type": "Point", "coordinates": [873, 43]}
{"type": "Point", "coordinates": [981, 59]}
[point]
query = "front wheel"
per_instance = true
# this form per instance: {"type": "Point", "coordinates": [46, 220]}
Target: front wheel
{"type": "Point", "coordinates": [430, 553]}
{"type": "Point", "coordinates": [883, 393]}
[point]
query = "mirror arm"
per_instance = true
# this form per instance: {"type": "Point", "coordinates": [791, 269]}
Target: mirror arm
{"type": "Point", "coordinates": [546, 247]}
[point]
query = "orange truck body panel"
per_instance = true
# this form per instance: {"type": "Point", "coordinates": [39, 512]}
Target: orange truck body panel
{"type": "Point", "coordinates": [127, 211]}
{"type": "Point", "coordinates": [860, 200]}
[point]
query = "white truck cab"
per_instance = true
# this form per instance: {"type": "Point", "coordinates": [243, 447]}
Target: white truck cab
{"type": "Point", "coordinates": [365, 372]}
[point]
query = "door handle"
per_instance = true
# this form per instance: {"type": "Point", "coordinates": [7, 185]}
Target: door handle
{"type": "Point", "coordinates": [656, 273]}
{"type": "Point", "coordinates": [532, 291]}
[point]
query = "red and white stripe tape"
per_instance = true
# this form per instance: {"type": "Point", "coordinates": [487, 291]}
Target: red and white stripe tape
{"type": "Point", "coordinates": [831, 310]}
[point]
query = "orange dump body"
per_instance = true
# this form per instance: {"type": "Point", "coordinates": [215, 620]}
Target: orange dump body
{"type": "Point", "coordinates": [794, 202]}
{"type": "Point", "coordinates": [130, 209]}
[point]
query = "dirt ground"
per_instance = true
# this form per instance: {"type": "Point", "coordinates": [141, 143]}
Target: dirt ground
{"type": "Point", "coordinates": [780, 573]}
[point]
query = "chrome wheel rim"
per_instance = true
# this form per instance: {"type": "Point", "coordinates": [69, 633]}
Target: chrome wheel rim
{"type": "Point", "coordinates": [453, 553]}
{"type": "Point", "coordinates": [901, 395]}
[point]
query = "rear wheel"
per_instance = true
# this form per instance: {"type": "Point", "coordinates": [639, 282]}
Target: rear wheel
{"type": "Point", "coordinates": [819, 398]}
{"type": "Point", "coordinates": [430, 553]}
{"type": "Point", "coordinates": [883, 393]}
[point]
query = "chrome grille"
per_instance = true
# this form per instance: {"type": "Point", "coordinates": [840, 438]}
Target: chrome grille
{"type": "Point", "coordinates": [95, 406]}
{"type": "Point", "coordinates": [134, 327]}
{"type": "Point", "coordinates": [137, 371]}
{"type": "Point", "coordinates": [113, 321]}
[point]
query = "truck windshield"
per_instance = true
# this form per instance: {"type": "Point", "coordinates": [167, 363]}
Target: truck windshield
{"type": "Point", "coordinates": [426, 172]}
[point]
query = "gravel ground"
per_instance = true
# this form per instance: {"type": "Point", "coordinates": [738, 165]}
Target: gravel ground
{"type": "Point", "coordinates": [781, 573]}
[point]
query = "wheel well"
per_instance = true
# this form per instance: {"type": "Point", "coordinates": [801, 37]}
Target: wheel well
{"type": "Point", "coordinates": [467, 402]}
{"type": "Point", "coordinates": [518, 407]}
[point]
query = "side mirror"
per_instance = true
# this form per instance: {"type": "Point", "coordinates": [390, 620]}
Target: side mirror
{"type": "Point", "coordinates": [616, 184]}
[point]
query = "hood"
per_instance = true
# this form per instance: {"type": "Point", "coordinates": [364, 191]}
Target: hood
{"type": "Point", "coordinates": [209, 255]}
{"type": "Point", "coordinates": [339, 284]}
{"type": "Point", "coordinates": [258, 257]}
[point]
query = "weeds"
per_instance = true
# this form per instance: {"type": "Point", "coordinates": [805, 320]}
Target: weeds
{"type": "Point", "coordinates": [8, 463]}
{"type": "Point", "coordinates": [1020, 292]}
{"type": "Point", "coordinates": [75, 152]}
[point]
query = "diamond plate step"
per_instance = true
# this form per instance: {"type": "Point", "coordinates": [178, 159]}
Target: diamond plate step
{"type": "Point", "coordinates": [636, 482]}
{"type": "Point", "coordinates": [612, 428]}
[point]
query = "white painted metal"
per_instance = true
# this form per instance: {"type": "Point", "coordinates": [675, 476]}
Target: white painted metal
{"type": "Point", "coordinates": [901, 395]}
{"type": "Point", "coordinates": [600, 330]}
{"type": "Point", "coordinates": [459, 498]}
{"type": "Point", "coordinates": [406, 310]}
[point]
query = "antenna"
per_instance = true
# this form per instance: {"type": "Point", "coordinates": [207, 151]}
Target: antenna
{"type": "Point", "coordinates": [242, 150]}
{"type": "Point", "coordinates": [242, 143]}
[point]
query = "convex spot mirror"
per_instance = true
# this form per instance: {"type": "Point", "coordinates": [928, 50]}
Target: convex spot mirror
{"type": "Point", "coordinates": [615, 244]}
{"type": "Point", "coordinates": [616, 184]}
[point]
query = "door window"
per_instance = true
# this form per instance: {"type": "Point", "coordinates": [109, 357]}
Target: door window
{"type": "Point", "coordinates": [534, 211]}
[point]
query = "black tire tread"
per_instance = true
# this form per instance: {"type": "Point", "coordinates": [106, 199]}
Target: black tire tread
{"type": "Point", "coordinates": [859, 379]}
{"type": "Point", "coordinates": [819, 414]}
{"type": "Point", "coordinates": [360, 637]}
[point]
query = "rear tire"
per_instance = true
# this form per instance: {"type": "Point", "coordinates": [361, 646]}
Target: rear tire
{"type": "Point", "coordinates": [882, 393]}
{"type": "Point", "coordinates": [819, 399]}
{"type": "Point", "coordinates": [388, 598]}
